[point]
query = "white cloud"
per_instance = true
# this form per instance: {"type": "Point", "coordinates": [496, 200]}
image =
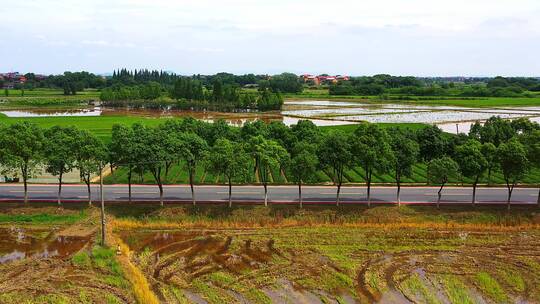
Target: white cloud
{"type": "Point", "coordinates": [427, 37]}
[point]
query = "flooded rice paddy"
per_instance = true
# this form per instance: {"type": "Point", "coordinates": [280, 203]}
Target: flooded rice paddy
{"type": "Point", "coordinates": [322, 113]}
{"type": "Point", "coordinates": [19, 243]}
{"type": "Point", "coordinates": [251, 266]}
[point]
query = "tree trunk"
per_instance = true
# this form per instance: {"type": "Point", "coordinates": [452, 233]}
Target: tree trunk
{"type": "Point", "coordinates": [538, 200]}
{"type": "Point", "coordinates": [102, 196]}
{"type": "Point", "coordinates": [191, 185]}
{"type": "Point", "coordinates": [337, 194]}
{"type": "Point", "coordinates": [25, 181]}
{"type": "Point", "coordinates": [60, 188]}
{"type": "Point", "coordinates": [265, 194]}
{"type": "Point", "coordinates": [160, 186]}
{"type": "Point", "coordinates": [510, 189]}
{"type": "Point", "coordinates": [300, 193]}
{"type": "Point", "coordinates": [230, 193]}
{"type": "Point", "coordinates": [474, 191]}
{"type": "Point", "coordinates": [368, 181]}
{"type": "Point", "coordinates": [89, 192]}
{"type": "Point", "coordinates": [439, 196]}
{"type": "Point", "coordinates": [369, 194]}
{"type": "Point", "coordinates": [398, 181]}
{"type": "Point", "coordinates": [489, 176]}
{"type": "Point", "coordinates": [129, 183]}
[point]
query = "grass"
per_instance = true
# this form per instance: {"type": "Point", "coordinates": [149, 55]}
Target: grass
{"type": "Point", "coordinates": [491, 287]}
{"type": "Point", "coordinates": [353, 175]}
{"type": "Point", "coordinates": [456, 290]}
{"type": "Point", "coordinates": [424, 100]}
{"type": "Point", "coordinates": [388, 217]}
{"type": "Point", "coordinates": [81, 259]}
{"type": "Point", "coordinates": [415, 285]}
{"type": "Point", "coordinates": [100, 126]}
{"type": "Point", "coordinates": [42, 218]}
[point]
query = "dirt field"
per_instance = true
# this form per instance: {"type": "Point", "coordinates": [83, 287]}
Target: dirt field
{"type": "Point", "coordinates": [336, 256]}
{"type": "Point", "coordinates": [335, 265]}
{"type": "Point", "coordinates": [270, 255]}
{"type": "Point", "coordinates": [48, 255]}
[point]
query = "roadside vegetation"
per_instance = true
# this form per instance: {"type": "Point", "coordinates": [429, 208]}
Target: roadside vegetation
{"type": "Point", "coordinates": [497, 152]}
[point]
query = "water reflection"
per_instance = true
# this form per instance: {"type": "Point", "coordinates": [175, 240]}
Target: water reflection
{"type": "Point", "coordinates": [321, 112]}
{"type": "Point", "coordinates": [18, 243]}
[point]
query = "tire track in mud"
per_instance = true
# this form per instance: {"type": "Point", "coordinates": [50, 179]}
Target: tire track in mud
{"type": "Point", "coordinates": [466, 261]}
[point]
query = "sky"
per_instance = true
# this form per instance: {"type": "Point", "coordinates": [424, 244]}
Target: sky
{"type": "Point", "coordinates": [351, 37]}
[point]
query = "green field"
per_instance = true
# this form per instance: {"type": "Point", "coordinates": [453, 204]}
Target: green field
{"type": "Point", "coordinates": [423, 100]}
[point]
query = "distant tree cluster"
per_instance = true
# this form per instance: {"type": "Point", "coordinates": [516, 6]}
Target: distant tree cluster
{"type": "Point", "coordinates": [411, 86]}
{"type": "Point", "coordinates": [191, 94]}
{"type": "Point", "coordinates": [298, 152]}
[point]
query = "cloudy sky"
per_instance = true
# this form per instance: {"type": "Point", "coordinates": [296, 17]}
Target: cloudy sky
{"type": "Point", "coordinates": [357, 37]}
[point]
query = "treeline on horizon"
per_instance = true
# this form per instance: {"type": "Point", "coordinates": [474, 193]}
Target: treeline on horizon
{"type": "Point", "coordinates": [386, 86]}
{"type": "Point", "coordinates": [299, 152]}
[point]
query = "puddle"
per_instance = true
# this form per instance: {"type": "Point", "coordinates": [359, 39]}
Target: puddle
{"type": "Point", "coordinates": [17, 244]}
{"type": "Point", "coordinates": [96, 111]}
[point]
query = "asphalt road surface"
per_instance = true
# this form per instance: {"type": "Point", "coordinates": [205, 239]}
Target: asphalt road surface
{"type": "Point", "coordinates": [276, 194]}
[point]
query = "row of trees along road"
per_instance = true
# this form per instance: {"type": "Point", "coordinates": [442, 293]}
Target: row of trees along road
{"type": "Point", "coordinates": [299, 152]}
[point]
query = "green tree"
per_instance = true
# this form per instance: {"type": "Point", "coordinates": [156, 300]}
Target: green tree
{"type": "Point", "coordinates": [472, 162]}
{"type": "Point", "coordinates": [286, 83]}
{"type": "Point", "coordinates": [151, 91]}
{"type": "Point", "coordinates": [335, 155]}
{"type": "Point", "coordinates": [303, 165]}
{"type": "Point", "coordinates": [23, 148]}
{"type": "Point", "coordinates": [532, 143]}
{"type": "Point", "coordinates": [90, 155]}
{"type": "Point", "coordinates": [123, 151]}
{"type": "Point", "coordinates": [371, 149]}
{"type": "Point", "coordinates": [489, 151]}
{"type": "Point", "coordinates": [432, 143]}
{"type": "Point", "coordinates": [514, 164]}
{"type": "Point", "coordinates": [157, 151]}
{"type": "Point", "coordinates": [440, 170]}
{"type": "Point", "coordinates": [194, 150]}
{"type": "Point", "coordinates": [268, 155]}
{"type": "Point", "coordinates": [495, 130]}
{"type": "Point", "coordinates": [58, 152]}
{"type": "Point", "coordinates": [406, 152]}
{"type": "Point", "coordinates": [228, 159]}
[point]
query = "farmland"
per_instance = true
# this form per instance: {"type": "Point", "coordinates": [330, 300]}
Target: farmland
{"type": "Point", "coordinates": [321, 254]}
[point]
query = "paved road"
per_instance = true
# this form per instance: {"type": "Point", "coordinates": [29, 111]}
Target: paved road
{"type": "Point", "coordinates": [277, 194]}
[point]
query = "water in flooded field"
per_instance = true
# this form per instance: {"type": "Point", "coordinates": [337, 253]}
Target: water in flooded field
{"type": "Point", "coordinates": [321, 112]}
{"type": "Point", "coordinates": [20, 243]}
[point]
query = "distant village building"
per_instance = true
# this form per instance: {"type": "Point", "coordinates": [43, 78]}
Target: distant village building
{"type": "Point", "coordinates": [324, 79]}
{"type": "Point", "coordinates": [12, 79]}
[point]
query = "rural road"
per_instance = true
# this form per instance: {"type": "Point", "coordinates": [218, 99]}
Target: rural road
{"type": "Point", "coordinates": [277, 194]}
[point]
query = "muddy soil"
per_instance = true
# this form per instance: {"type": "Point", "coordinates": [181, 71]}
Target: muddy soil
{"type": "Point", "coordinates": [55, 264]}
{"type": "Point", "coordinates": [290, 275]}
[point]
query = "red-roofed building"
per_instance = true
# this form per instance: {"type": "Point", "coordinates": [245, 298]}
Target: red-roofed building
{"type": "Point", "coordinates": [324, 79]}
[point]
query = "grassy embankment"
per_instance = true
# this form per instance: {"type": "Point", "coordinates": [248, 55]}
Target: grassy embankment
{"type": "Point", "coordinates": [355, 175]}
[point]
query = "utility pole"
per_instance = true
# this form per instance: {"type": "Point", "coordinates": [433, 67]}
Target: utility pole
{"type": "Point", "coordinates": [102, 204]}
